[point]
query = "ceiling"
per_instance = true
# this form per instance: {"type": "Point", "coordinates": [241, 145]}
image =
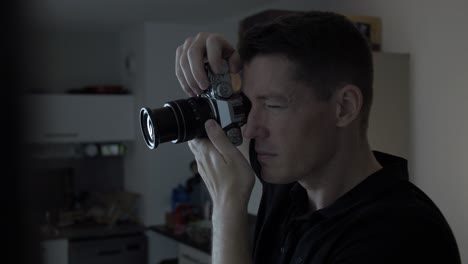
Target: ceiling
{"type": "Point", "coordinates": [113, 15]}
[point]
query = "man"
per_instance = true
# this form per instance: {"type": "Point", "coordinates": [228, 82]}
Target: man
{"type": "Point", "coordinates": [327, 198]}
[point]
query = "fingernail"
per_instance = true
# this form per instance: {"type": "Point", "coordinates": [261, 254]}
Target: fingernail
{"type": "Point", "coordinates": [209, 124]}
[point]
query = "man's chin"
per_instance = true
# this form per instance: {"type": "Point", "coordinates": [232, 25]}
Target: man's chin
{"type": "Point", "coordinates": [275, 178]}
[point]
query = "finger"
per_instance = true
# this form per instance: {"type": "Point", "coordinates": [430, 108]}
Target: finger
{"type": "Point", "coordinates": [204, 151]}
{"type": "Point", "coordinates": [186, 67]}
{"type": "Point", "coordinates": [196, 55]}
{"type": "Point", "coordinates": [235, 62]}
{"type": "Point", "coordinates": [214, 53]}
{"type": "Point", "coordinates": [220, 140]}
{"type": "Point", "coordinates": [201, 147]}
{"type": "Point", "coordinates": [179, 73]}
{"type": "Point", "coordinates": [218, 49]}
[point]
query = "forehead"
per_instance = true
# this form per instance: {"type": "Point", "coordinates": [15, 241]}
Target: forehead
{"type": "Point", "coordinates": [270, 75]}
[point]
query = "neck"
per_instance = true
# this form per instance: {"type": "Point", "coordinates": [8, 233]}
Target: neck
{"type": "Point", "coordinates": [346, 169]}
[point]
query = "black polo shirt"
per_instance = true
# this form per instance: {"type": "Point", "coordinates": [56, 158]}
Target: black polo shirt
{"type": "Point", "coordinates": [384, 219]}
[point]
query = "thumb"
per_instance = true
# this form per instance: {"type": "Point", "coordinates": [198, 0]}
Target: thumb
{"type": "Point", "coordinates": [218, 138]}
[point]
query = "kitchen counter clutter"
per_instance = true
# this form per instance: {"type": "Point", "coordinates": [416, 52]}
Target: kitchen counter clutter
{"type": "Point", "coordinates": [98, 228]}
{"type": "Point", "coordinates": [90, 231]}
{"type": "Point", "coordinates": [94, 215]}
{"type": "Point", "coordinates": [181, 238]}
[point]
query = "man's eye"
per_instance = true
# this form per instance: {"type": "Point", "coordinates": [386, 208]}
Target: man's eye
{"type": "Point", "coordinates": [273, 106]}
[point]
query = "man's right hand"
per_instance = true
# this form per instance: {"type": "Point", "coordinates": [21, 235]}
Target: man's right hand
{"type": "Point", "coordinates": [191, 56]}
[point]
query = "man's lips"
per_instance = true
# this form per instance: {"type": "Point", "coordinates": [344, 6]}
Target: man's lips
{"type": "Point", "coordinates": [264, 155]}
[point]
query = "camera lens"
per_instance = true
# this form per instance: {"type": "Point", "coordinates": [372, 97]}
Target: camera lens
{"type": "Point", "coordinates": [178, 121]}
{"type": "Point", "coordinates": [158, 126]}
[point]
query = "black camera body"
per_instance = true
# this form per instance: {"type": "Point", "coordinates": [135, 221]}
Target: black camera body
{"type": "Point", "coordinates": [182, 120]}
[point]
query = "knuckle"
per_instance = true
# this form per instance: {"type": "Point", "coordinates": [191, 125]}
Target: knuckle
{"type": "Point", "coordinates": [190, 52]}
{"type": "Point", "coordinates": [187, 41]}
{"type": "Point", "coordinates": [201, 35]}
{"type": "Point", "coordinates": [202, 151]}
{"type": "Point", "coordinates": [215, 38]}
{"type": "Point", "coordinates": [194, 145]}
{"type": "Point", "coordinates": [183, 59]}
{"type": "Point", "coordinates": [198, 148]}
{"type": "Point", "coordinates": [179, 50]}
{"type": "Point", "coordinates": [212, 38]}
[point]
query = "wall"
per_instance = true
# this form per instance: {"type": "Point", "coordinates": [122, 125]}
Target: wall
{"type": "Point", "coordinates": [71, 60]}
{"type": "Point", "coordinates": [434, 33]}
{"type": "Point", "coordinates": [135, 163]}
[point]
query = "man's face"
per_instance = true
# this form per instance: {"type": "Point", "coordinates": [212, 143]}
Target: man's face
{"type": "Point", "coordinates": [294, 132]}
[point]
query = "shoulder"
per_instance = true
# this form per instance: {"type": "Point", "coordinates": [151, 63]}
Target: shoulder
{"type": "Point", "coordinates": [402, 225]}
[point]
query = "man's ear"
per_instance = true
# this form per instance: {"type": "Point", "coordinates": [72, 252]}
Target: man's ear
{"type": "Point", "coordinates": [348, 104]}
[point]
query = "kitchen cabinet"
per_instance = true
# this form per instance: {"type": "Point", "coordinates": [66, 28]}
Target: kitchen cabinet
{"type": "Point", "coordinates": [189, 255]}
{"type": "Point", "coordinates": [72, 118]}
{"type": "Point", "coordinates": [54, 251]}
{"type": "Point", "coordinates": [131, 248]}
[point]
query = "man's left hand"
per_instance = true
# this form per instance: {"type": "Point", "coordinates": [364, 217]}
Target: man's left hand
{"type": "Point", "coordinates": [226, 172]}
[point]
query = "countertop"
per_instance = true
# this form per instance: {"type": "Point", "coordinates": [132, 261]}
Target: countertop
{"type": "Point", "coordinates": [90, 231]}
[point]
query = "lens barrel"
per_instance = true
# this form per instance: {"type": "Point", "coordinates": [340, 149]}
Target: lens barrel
{"type": "Point", "coordinates": [178, 121]}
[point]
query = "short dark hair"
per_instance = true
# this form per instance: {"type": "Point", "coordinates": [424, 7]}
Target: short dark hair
{"type": "Point", "coordinates": [327, 49]}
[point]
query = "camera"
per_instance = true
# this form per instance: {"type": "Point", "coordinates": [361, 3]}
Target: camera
{"type": "Point", "coordinates": [183, 120]}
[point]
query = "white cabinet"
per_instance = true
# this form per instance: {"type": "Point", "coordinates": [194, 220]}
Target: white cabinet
{"type": "Point", "coordinates": [64, 118]}
{"type": "Point", "coordinates": [54, 251]}
{"type": "Point", "coordinates": [189, 255]}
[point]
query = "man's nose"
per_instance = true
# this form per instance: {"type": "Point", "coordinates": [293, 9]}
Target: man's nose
{"type": "Point", "coordinates": [254, 127]}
